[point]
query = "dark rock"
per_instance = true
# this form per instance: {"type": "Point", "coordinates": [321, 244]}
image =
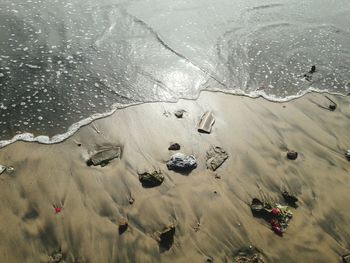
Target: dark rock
{"type": "Point", "coordinates": [174, 147]}
{"type": "Point", "coordinates": [332, 107]}
{"type": "Point", "coordinates": [103, 157]}
{"type": "Point", "coordinates": [165, 238]}
{"type": "Point", "coordinates": [346, 258]}
{"type": "Point", "coordinates": [181, 162]}
{"type": "Point", "coordinates": [216, 156]}
{"type": "Point", "coordinates": [292, 155]}
{"type": "Point", "coordinates": [123, 226]}
{"type": "Point", "coordinates": [261, 209]}
{"type": "Point", "coordinates": [179, 114]}
{"type": "Point", "coordinates": [209, 259]}
{"type": "Point", "coordinates": [206, 122]}
{"type": "Point", "coordinates": [313, 69]}
{"type": "Point", "coordinates": [131, 200]}
{"type": "Point", "coordinates": [151, 179]}
{"type": "Point", "coordinates": [290, 199]}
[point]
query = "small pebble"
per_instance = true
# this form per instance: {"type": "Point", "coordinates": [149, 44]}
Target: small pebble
{"type": "Point", "coordinates": [292, 155]}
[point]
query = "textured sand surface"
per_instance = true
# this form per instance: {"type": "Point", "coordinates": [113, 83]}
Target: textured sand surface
{"type": "Point", "coordinates": [255, 133]}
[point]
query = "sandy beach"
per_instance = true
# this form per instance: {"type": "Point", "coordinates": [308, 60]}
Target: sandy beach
{"type": "Point", "coordinates": [210, 210]}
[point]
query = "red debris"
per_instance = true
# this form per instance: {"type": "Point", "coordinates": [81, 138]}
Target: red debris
{"type": "Point", "coordinates": [276, 227]}
{"type": "Point", "coordinates": [276, 211]}
{"type": "Point", "coordinates": [58, 209]}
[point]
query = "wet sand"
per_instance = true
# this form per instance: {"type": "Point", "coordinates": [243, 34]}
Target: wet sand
{"type": "Point", "coordinates": [255, 133]}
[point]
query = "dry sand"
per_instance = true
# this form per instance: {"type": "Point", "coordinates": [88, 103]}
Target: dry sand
{"type": "Point", "coordinates": [255, 133]}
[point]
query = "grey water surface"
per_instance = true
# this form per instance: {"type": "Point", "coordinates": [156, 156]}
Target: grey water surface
{"type": "Point", "coordinates": [63, 61]}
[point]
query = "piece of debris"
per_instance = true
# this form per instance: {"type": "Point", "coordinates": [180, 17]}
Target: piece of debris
{"type": "Point", "coordinates": [290, 199]}
{"type": "Point", "coordinates": [174, 147]}
{"type": "Point", "coordinates": [56, 257]}
{"type": "Point", "coordinates": [313, 69]}
{"type": "Point", "coordinates": [179, 113]}
{"type": "Point", "coordinates": [151, 179]}
{"type": "Point", "coordinates": [131, 200]}
{"type": "Point", "coordinates": [209, 259]}
{"type": "Point", "coordinates": [346, 258]}
{"type": "Point", "coordinates": [308, 76]}
{"type": "Point", "coordinates": [181, 162]}
{"type": "Point", "coordinates": [123, 225]}
{"type": "Point", "coordinates": [166, 113]}
{"type": "Point", "coordinates": [216, 156]}
{"type": "Point", "coordinates": [333, 105]}
{"type": "Point", "coordinates": [292, 155]}
{"type": "Point", "coordinates": [103, 157]}
{"type": "Point", "coordinates": [216, 176]}
{"type": "Point", "coordinates": [58, 209]}
{"type": "Point", "coordinates": [277, 215]}
{"type": "Point", "coordinates": [197, 227]}
{"type": "Point", "coordinates": [7, 169]}
{"type": "Point", "coordinates": [248, 255]}
{"type": "Point", "coordinates": [206, 122]}
{"type": "Point", "coordinates": [347, 155]}
{"type": "Point", "coordinates": [165, 237]}
{"type": "Point", "coordinates": [2, 168]}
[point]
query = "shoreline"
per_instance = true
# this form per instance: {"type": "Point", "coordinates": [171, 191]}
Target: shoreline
{"type": "Point", "coordinates": [212, 215]}
{"type": "Point", "coordinates": [58, 138]}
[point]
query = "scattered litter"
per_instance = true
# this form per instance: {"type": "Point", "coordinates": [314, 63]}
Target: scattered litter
{"type": "Point", "coordinates": [347, 155]}
{"type": "Point", "coordinates": [123, 225]}
{"type": "Point", "coordinates": [216, 156]}
{"type": "Point", "coordinates": [165, 237]}
{"type": "Point", "coordinates": [206, 122]}
{"type": "Point", "coordinates": [181, 162]}
{"type": "Point", "coordinates": [7, 169]}
{"type": "Point", "coordinates": [105, 156]}
{"type": "Point", "coordinates": [179, 113]}
{"type": "Point", "coordinates": [277, 215]}
{"type": "Point", "coordinates": [248, 255]}
{"type": "Point", "coordinates": [174, 147]}
{"type": "Point", "coordinates": [292, 155]}
{"type": "Point", "coordinates": [151, 179]}
{"type": "Point", "coordinates": [290, 199]}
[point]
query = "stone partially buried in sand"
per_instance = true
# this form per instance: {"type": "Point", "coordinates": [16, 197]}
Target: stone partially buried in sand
{"type": "Point", "coordinates": [206, 122]}
{"type": "Point", "coordinates": [292, 155]}
{"type": "Point", "coordinates": [103, 157]}
{"type": "Point", "coordinates": [152, 179]}
{"type": "Point", "coordinates": [165, 237]}
{"type": "Point", "coordinates": [174, 147]}
{"type": "Point", "coordinates": [181, 162]}
{"type": "Point", "coordinates": [248, 255]}
{"type": "Point", "coordinates": [216, 156]}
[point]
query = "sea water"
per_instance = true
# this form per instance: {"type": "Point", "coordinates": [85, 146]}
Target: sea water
{"type": "Point", "coordinates": [65, 63]}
